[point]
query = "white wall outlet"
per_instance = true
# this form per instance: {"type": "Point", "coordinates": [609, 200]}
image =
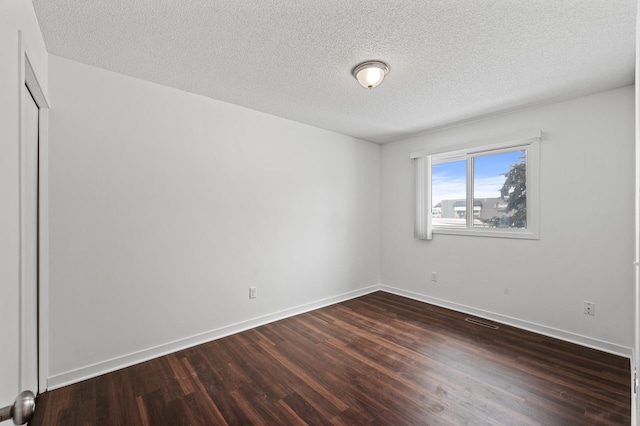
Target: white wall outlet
{"type": "Point", "coordinates": [434, 277]}
{"type": "Point", "coordinates": [589, 308]}
{"type": "Point", "coordinates": [253, 292]}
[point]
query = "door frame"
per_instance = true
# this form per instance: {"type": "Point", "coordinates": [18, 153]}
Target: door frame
{"type": "Point", "coordinates": [29, 77]}
{"type": "Point", "coordinates": [635, 353]}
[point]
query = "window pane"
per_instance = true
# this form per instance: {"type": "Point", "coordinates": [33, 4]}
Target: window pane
{"type": "Point", "coordinates": [449, 193]}
{"type": "Point", "coordinates": [500, 190]}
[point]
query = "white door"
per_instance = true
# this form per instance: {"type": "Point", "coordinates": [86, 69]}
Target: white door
{"type": "Point", "coordinates": [29, 244]}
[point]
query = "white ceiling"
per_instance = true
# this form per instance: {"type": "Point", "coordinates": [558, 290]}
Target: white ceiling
{"type": "Point", "coordinates": [450, 60]}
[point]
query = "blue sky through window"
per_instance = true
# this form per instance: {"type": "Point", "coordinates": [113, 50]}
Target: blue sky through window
{"type": "Point", "coordinates": [449, 178]}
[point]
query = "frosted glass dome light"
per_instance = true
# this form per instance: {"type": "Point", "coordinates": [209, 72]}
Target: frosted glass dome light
{"type": "Point", "coordinates": [370, 74]}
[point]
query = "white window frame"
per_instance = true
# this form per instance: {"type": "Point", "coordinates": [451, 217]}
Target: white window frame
{"type": "Point", "coordinates": [423, 161]}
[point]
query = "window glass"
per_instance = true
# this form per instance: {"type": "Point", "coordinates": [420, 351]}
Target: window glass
{"type": "Point", "coordinates": [500, 190]}
{"type": "Point", "coordinates": [474, 190]}
{"type": "Point", "coordinates": [449, 193]}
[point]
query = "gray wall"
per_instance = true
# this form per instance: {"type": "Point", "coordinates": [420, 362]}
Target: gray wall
{"type": "Point", "coordinates": [166, 207]}
{"type": "Point", "coordinates": [585, 251]}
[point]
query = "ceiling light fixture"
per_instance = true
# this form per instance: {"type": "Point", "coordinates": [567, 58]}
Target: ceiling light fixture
{"type": "Point", "coordinates": [370, 74]}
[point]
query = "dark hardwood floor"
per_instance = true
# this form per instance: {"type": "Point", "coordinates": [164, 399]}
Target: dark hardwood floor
{"type": "Point", "coordinates": [378, 359]}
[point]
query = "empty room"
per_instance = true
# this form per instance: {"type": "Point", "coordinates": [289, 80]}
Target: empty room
{"type": "Point", "coordinates": [293, 212]}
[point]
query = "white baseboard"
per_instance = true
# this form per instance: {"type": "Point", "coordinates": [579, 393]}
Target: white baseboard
{"type": "Point", "coordinates": [518, 323]}
{"type": "Point", "coordinates": [97, 369]}
{"type": "Point", "coordinates": [124, 361]}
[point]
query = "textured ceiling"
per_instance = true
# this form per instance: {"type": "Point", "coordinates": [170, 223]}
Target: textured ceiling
{"type": "Point", "coordinates": [450, 60]}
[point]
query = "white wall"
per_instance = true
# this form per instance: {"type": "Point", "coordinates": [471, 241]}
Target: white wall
{"type": "Point", "coordinates": [165, 207]}
{"type": "Point", "coordinates": [15, 15]}
{"type": "Point", "coordinates": [585, 251]}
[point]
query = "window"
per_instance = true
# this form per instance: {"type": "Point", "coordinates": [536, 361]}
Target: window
{"type": "Point", "coordinates": [490, 190]}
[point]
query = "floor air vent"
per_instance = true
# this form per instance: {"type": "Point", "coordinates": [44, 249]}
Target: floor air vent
{"type": "Point", "coordinates": [484, 324]}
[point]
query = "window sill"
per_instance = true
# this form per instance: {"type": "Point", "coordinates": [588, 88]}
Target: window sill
{"type": "Point", "coordinates": [491, 233]}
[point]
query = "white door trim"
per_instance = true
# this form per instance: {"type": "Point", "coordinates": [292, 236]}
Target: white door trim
{"type": "Point", "coordinates": [29, 77]}
{"type": "Point", "coordinates": [635, 358]}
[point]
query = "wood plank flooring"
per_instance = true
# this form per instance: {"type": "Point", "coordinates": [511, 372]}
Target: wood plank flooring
{"type": "Point", "coordinates": [379, 359]}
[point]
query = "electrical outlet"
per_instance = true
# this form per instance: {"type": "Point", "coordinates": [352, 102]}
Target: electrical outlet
{"type": "Point", "coordinates": [589, 308]}
{"type": "Point", "coordinates": [253, 292]}
{"type": "Point", "coordinates": [434, 277]}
